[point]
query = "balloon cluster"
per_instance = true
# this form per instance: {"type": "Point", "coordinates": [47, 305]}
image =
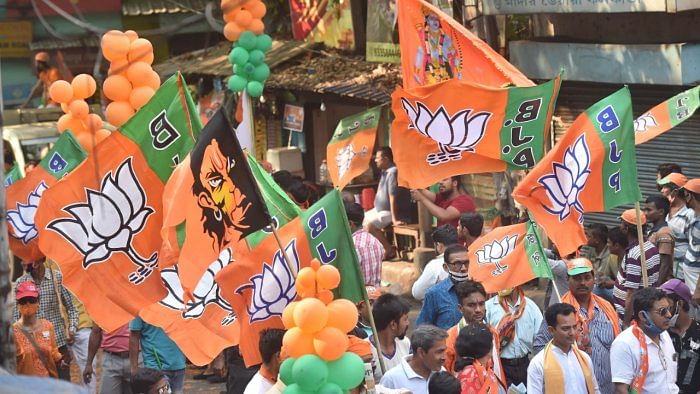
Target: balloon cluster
{"type": "Point", "coordinates": [248, 59]}
{"type": "Point", "coordinates": [86, 127]}
{"type": "Point", "coordinates": [316, 338]}
{"type": "Point", "coordinates": [131, 81]}
{"type": "Point", "coordinates": [242, 16]}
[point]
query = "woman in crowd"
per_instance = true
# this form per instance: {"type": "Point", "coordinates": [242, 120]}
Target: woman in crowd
{"type": "Point", "coordinates": [473, 365]}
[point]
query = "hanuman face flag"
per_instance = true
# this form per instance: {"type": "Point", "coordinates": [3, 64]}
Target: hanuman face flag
{"type": "Point", "coordinates": [261, 283]}
{"type": "Point", "coordinates": [435, 48]}
{"type": "Point", "coordinates": [508, 257]}
{"type": "Point", "coordinates": [102, 223]}
{"type": "Point", "coordinates": [23, 196]}
{"type": "Point", "coordinates": [350, 149]}
{"type": "Point", "coordinates": [593, 168]}
{"type": "Point", "coordinates": [455, 128]}
{"type": "Point", "coordinates": [666, 115]}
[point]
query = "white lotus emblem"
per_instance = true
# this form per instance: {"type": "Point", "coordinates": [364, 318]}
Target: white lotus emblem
{"type": "Point", "coordinates": [496, 251]}
{"type": "Point", "coordinates": [567, 180]}
{"type": "Point", "coordinates": [107, 222]}
{"type": "Point", "coordinates": [344, 158]}
{"type": "Point", "coordinates": [454, 134]}
{"type": "Point", "coordinates": [644, 122]}
{"type": "Point", "coordinates": [205, 292]}
{"type": "Point", "coordinates": [274, 288]}
{"type": "Point", "coordinates": [22, 218]}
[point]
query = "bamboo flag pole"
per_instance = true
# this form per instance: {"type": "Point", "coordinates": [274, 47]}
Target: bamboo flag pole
{"type": "Point", "coordinates": [640, 237]}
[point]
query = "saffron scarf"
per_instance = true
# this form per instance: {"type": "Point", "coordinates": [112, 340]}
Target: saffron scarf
{"type": "Point", "coordinates": [506, 327]}
{"type": "Point", "coordinates": [583, 338]}
{"type": "Point", "coordinates": [488, 379]}
{"type": "Point", "coordinates": [641, 376]}
{"type": "Point", "coordinates": [495, 352]}
{"type": "Point", "coordinates": [554, 376]}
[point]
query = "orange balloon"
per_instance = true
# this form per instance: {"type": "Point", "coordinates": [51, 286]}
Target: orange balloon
{"type": "Point", "coordinates": [79, 109]}
{"type": "Point", "coordinates": [132, 35]}
{"type": "Point", "coordinates": [118, 67]}
{"type": "Point", "coordinates": [232, 31]}
{"type": "Point", "coordinates": [94, 123]}
{"type": "Point", "coordinates": [138, 72]}
{"type": "Point", "coordinates": [229, 16]}
{"type": "Point", "coordinates": [84, 86]}
{"type": "Point", "coordinates": [115, 45]}
{"type": "Point", "coordinates": [342, 314]}
{"type": "Point", "coordinates": [141, 50]}
{"type": "Point", "coordinates": [297, 343]}
{"type": "Point", "coordinates": [61, 91]}
{"type": "Point", "coordinates": [326, 296]}
{"type": "Point", "coordinates": [243, 18]}
{"type": "Point", "coordinates": [101, 135]}
{"type": "Point", "coordinates": [117, 88]}
{"type": "Point", "coordinates": [89, 140]}
{"type": "Point", "coordinates": [327, 277]}
{"type": "Point", "coordinates": [118, 112]}
{"type": "Point", "coordinates": [153, 80]}
{"type": "Point", "coordinates": [306, 293]}
{"type": "Point", "coordinates": [69, 122]}
{"type": "Point", "coordinates": [256, 26]}
{"type": "Point", "coordinates": [315, 264]}
{"type": "Point", "coordinates": [288, 315]}
{"type": "Point", "coordinates": [256, 8]}
{"type": "Point", "coordinates": [330, 343]}
{"type": "Point", "coordinates": [310, 315]}
{"type": "Point", "coordinates": [64, 107]}
{"type": "Point", "coordinates": [140, 96]}
{"type": "Point", "coordinates": [306, 280]}
{"type": "Point", "coordinates": [63, 122]}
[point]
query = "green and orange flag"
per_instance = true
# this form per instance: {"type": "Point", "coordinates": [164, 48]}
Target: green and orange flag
{"type": "Point", "coordinates": [666, 115]}
{"type": "Point", "coordinates": [455, 128]}
{"type": "Point", "coordinates": [260, 284]}
{"type": "Point", "coordinates": [349, 151]}
{"type": "Point", "coordinates": [102, 222]}
{"type": "Point", "coordinates": [24, 196]}
{"type": "Point", "coordinates": [508, 257]}
{"type": "Point", "coordinates": [435, 48]}
{"type": "Point", "coordinates": [593, 168]}
{"type": "Point", "coordinates": [13, 175]}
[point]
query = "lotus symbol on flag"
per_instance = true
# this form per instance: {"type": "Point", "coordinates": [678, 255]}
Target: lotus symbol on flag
{"type": "Point", "coordinates": [344, 158]}
{"type": "Point", "coordinates": [454, 134]}
{"type": "Point", "coordinates": [107, 222]}
{"type": "Point", "coordinates": [22, 218]}
{"type": "Point", "coordinates": [644, 122]}
{"type": "Point", "coordinates": [205, 292]}
{"type": "Point", "coordinates": [496, 251]}
{"type": "Point", "coordinates": [274, 288]}
{"type": "Point", "coordinates": [567, 180]}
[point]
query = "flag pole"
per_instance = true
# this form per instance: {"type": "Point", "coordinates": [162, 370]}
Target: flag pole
{"type": "Point", "coordinates": [640, 237]}
{"type": "Point", "coordinates": [556, 289]}
{"type": "Point", "coordinates": [286, 258]}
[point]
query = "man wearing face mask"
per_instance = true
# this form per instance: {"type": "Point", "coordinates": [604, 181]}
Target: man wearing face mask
{"type": "Point", "coordinates": [440, 304]}
{"type": "Point", "coordinates": [678, 219]}
{"type": "Point", "coordinates": [685, 334]}
{"type": "Point", "coordinates": [643, 356]}
{"type": "Point", "coordinates": [517, 319]}
{"type": "Point", "coordinates": [50, 285]}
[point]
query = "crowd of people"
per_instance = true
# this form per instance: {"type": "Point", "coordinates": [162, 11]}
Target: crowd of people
{"type": "Point", "coordinates": [600, 330]}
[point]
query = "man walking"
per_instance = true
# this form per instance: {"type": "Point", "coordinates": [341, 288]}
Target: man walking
{"type": "Point", "coordinates": [679, 217]}
{"type": "Point", "coordinates": [116, 370]}
{"type": "Point", "coordinates": [561, 367]}
{"type": "Point", "coordinates": [656, 210]}
{"type": "Point", "coordinates": [597, 323]}
{"type": "Point", "coordinates": [158, 352]}
{"type": "Point", "coordinates": [440, 304]}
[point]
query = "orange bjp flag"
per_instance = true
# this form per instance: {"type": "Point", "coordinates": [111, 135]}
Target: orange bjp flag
{"type": "Point", "coordinates": [435, 48]}
{"type": "Point", "coordinates": [667, 115]}
{"type": "Point", "coordinates": [508, 257]}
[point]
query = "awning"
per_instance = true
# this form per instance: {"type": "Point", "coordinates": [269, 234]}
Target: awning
{"type": "Point", "coordinates": [91, 41]}
{"type": "Point", "coordinates": [152, 7]}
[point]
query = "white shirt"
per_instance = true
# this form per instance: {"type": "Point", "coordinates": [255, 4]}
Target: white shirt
{"type": "Point", "coordinates": [432, 274]}
{"type": "Point", "coordinates": [625, 359]}
{"type": "Point", "coordinates": [402, 376]}
{"type": "Point", "coordinates": [574, 380]}
{"type": "Point", "coordinates": [258, 385]}
{"type": "Point", "coordinates": [525, 328]}
{"type": "Point", "coordinates": [403, 349]}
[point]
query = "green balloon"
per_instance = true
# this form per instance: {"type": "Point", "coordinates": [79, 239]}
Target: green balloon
{"type": "Point", "coordinates": [309, 371]}
{"type": "Point", "coordinates": [296, 389]}
{"type": "Point", "coordinates": [257, 57]}
{"type": "Point", "coordinates": [330, 388]}
{"type": "Point", "coordinates": [263, 42]}
{"type": "Point", "coordinates": [255, 89]}
{"type": "Point", "coordinates": [236, 83]}
{"type": "Point", "coordinates": [248, 69]}
{"type": "Point", "coordinates": [261, 73]}
{"type": "Point", "coordinates": [248, 40]}
{"type": "Point", "coordinates": [238, 56]}
{"type": "Point", "coordinates": [347, 372]}
{"type": "Point", "coordinates": [286, 371]}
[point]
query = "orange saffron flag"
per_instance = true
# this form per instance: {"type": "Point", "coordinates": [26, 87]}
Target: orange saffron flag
{"type": "Point", "coordinates": [508, 257]}
{"type": "Point", "coordinates": [666, 115]}
{"type": "Point", "coordinates": [593, 168]}
{"type": "Point", "coordinates": [435, 48]}
{"type": "Point", "coordinates": [455, 127]}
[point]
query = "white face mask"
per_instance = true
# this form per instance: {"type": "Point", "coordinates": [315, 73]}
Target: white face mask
{"type": "Point", "coordinates": [458, 276]}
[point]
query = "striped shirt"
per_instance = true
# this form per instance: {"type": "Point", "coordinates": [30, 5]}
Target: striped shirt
{"type": "Point", "coordinates": [692, 255]}
{"type": "Point", "coordinates": [371, 253]}
{"type": "Point", "coordinates": [679, 224]}
{"type": "Point", "coordinates": [629, 275]}
{"type": "Point", "coordinates": [602, 335]}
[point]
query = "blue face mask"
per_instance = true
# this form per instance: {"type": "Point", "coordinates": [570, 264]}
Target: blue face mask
{"type": "Point", "coordinates": [651, 328]}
